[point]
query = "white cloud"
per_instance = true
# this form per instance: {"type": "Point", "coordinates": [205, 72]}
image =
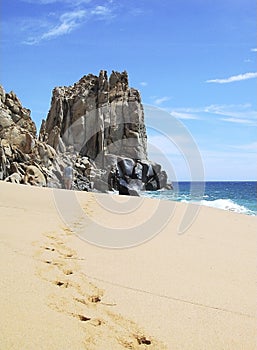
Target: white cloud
{"type": "Point", "coordinates": [254, 50]}
{"type": "Point", "coordinates": [143, 83]}
{"type": "Point", "coordinates": [181, 115]}
{"type": "Point", "coordinates": [66, 22]}
{"type": "Point", "coordinates": [161, 100]}
{"type": "Point", "coordinates": [239, 121]}
{"type": "Point", "coordinates": [69, 21]}
{"type": "Point", "coordinates": [234, 78]}
{"type": "Point", "coordinates": [241, 113]}
{"type": "Point", "coordinates": [101, 11]}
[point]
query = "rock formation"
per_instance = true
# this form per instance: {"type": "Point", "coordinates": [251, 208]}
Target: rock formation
{"type": "Point", "coordinates": [23, 157]}
{"type": "Point", "coordinates": [97, 125]}
{"type": "Point", "coordinates": [97, 116]}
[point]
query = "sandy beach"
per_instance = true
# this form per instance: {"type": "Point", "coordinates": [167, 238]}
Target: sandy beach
{"type": "Point", "coordinates": [195, 290]}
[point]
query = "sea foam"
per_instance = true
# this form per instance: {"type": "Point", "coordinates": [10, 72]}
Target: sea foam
{"type": "Point", "coordinates": [227, 204]}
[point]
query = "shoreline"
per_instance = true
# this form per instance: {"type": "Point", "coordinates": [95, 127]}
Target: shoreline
{"type": "Point", "coordinates": [232, 196]}
{"type": "Point", "coordinates": [190, 291]}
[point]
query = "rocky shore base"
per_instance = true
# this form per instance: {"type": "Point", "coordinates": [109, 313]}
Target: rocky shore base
{"type": "Point", "coordinates": [96, 126]}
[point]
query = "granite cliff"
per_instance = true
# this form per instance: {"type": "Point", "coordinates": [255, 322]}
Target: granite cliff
{"type": "Point", "coordinates": [97, 125]}
{"type": "Point", "coordinates": [97, 115]}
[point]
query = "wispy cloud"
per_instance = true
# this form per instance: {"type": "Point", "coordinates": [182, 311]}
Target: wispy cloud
{"type": "Point", "coordinates": [143, 83]}
{"type": "Point", "coordinates": [67, 21]}
{"type": "Point", "coordinates": [234, 78]}
{"type": "Point", "coordinates": [161, 100]}
{"type": "Point", "coordinates": [240, 113]}
{"type": "Point", "coordinates": [239, 121]}
{"type": "Point", "coordinates": [101, 11]}
{"type": "Point", "coordinates": [254, 50]}
{"type": "Point", "coordinates": [181, 115]}
{"type": "Point", "coordinates": [243, 111]}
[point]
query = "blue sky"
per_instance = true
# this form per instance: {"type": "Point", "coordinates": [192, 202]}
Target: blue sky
{"type": "Point", "coordinates": [193, 59]}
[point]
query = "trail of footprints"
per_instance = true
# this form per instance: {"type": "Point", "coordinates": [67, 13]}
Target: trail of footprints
{"type": "Point", "coordinates": [79, 298]}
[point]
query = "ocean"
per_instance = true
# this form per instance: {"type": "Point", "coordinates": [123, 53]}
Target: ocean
{"type": "Point", "coordinates": [237, 196]}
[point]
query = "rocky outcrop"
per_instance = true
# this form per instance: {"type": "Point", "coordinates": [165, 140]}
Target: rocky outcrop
{"type": "Point", "coordinates": [97, 116]}
{"type": "Point", "coordinates": [13, 114]}
{"type": "Point", "coordinates": [16, 125]}
{"type": "Point", "coordinates": [22, 156]}
{"type": "Point", "coordinates": [97, 125]}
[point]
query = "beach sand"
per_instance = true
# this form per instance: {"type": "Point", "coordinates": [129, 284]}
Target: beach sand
{"type": "Point", "coordinates": [195, 290]}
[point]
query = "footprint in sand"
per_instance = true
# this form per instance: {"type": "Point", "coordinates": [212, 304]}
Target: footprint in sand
{"type": "Point", "coordinates": [79, 298]}
{"type": "Point", "coordinates": [62, 284]}
{"type": "Point", "coordinates": [49, 248]}
{"type": "Point", "coordinates": [94, 299]}
{"type": "Point", "coordinates": [83, 318]}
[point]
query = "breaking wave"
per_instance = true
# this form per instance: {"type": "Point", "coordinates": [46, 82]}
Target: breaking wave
{"type": "Point", "coordinates": [226, 204]}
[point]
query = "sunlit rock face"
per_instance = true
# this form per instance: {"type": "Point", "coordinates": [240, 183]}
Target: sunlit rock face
{"type": "Point", "coordinates": [97, 116]}
{"type": "Point", "coordinates": [96, 125]}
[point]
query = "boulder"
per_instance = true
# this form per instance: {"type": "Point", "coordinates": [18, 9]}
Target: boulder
{"type": "Point", "coordinates": [34, 176]}
{"type": "Point", "coordinates": [14, 178]}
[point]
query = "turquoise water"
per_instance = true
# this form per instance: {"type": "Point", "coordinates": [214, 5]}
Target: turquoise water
{"type": "Point", "coordinates": [237, 196]}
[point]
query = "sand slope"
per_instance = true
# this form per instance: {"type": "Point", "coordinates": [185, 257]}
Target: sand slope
{"type": "Point", "coordinates": [190, 291]}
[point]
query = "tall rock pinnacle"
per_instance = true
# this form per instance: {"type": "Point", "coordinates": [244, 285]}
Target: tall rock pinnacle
{"type": "Point", "coordinates": [97, 116]}
{"type": "Point", "coordinates": [96, 125]}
